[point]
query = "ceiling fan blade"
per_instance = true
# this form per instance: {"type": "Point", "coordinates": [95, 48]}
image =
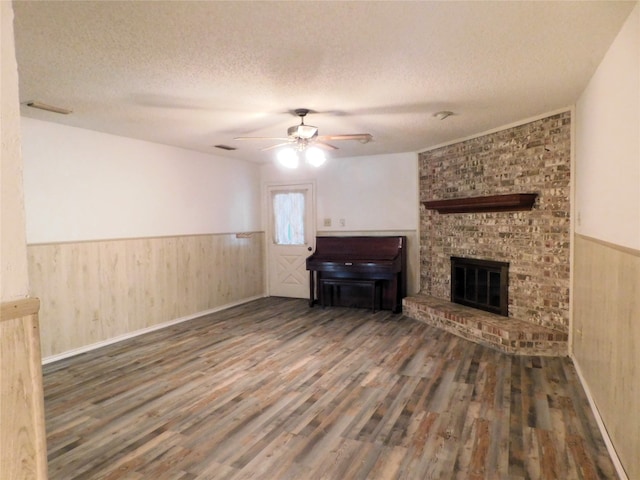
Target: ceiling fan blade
{"type": "Point", "coordinates": [326, 146]}
{"type": "Point", "coordinates": [260, 138]}
{"type": "Point", "coordinates": [274, 146]}
{"type": "Point", "coordinates": [361, 137]}
{"type": "Point", "coordinates": [302, 136]}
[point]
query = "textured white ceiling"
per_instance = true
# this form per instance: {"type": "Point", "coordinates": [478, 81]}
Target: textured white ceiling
{"type": "Point", "coordinates": [196, 74]}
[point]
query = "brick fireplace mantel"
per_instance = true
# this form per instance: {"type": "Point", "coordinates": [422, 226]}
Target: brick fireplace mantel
{"type": "Point", "coordinates": [489, 203]}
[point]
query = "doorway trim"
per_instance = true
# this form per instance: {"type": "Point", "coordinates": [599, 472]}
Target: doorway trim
{"type": "Point", "coordinates": [310, 234]}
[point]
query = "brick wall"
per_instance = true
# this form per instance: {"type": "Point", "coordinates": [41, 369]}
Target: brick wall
{"type": "Point", "coordinates": [530, 158]}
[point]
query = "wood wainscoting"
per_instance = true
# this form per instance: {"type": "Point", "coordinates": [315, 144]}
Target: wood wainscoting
{"type": "Point", "coordinates": [606, 339]}
{"type": "Point", "coordinates": [95, 291]}
{"type": "Point", "coordinates": [23, 447]}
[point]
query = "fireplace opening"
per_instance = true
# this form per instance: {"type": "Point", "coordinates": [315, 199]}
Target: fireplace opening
{"type": "Point", "coordinates": [482, 284]}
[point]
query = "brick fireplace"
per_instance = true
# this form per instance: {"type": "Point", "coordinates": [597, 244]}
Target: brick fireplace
{"type": "Point", "coordinates": [530, 160]}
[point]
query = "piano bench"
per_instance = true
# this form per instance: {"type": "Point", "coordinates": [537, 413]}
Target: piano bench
{"type": "Point", "coordinates": [375, 287]}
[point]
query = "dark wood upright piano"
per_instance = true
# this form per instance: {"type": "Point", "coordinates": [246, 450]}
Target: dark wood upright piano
{"type": "Point", "coordinates": [372, 258]}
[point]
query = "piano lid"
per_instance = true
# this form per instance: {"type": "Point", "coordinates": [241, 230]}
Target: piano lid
{"type": "Point", "coordinates": [359, 247]}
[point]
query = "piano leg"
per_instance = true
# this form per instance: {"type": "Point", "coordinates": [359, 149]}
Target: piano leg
{"type": "Point", "coordinates": [398, 284]}
{"type": "Point", "coordinates": [311, 288]}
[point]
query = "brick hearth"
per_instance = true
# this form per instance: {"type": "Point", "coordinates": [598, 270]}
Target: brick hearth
{"type": "Point", "coordinates": [506, 334]}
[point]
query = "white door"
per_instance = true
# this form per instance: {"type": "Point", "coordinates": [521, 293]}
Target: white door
{"type": "Point", "coordinates": [291, 238]}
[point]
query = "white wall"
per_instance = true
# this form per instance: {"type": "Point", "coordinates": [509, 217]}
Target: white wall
{"type": "Point", "coordinates": [608, 144]}
{"type": "Point", "coordinates": [606, 267]}
{"type": "Point", "coordinates": [85, 185]}
{"type": "Point", "coordinates": [376, 193]}
{"type": "Point", "coordinates": [14, 282]}
{"type": "Point", "coordinates": [23, 447]}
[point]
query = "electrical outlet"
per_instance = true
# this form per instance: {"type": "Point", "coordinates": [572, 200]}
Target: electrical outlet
{"type": "Point", "coordinates": [327, 222]}
{"type": "Point", "coordinates": [343, 222]}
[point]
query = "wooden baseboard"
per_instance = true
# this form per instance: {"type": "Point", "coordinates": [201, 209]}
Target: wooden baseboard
{"type": "Point", "coordinates": [603, 429]}
{"type": "Point", "coordinates": [136, 333]}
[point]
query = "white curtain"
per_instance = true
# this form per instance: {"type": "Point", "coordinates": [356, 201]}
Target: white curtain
{"type": "Point", "coordinates": [288, 211]}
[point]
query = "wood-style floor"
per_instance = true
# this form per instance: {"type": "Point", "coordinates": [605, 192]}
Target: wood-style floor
{"type": "Point", "coordinates": [275, 390]}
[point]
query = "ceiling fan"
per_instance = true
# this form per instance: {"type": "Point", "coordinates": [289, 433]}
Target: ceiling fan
{"type": "Point", "coordinates": [302, 136]}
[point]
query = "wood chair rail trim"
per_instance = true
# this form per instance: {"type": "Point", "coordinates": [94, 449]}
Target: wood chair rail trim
{"type": "Point", "coordinates": [19, 308]}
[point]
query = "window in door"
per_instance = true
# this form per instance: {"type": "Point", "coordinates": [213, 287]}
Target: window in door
{"type": "Point", "coordinates": [289, 218]}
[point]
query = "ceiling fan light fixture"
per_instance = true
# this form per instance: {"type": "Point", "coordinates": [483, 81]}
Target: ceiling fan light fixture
{"type": "Point", "coordinates": [301, 138]}
{"type": "Point", "coordinates": [288, 158]}
{"type": "Point", "coordinates": [303, 131]}
{"type": "Point", "coordinates": [314, 156]}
